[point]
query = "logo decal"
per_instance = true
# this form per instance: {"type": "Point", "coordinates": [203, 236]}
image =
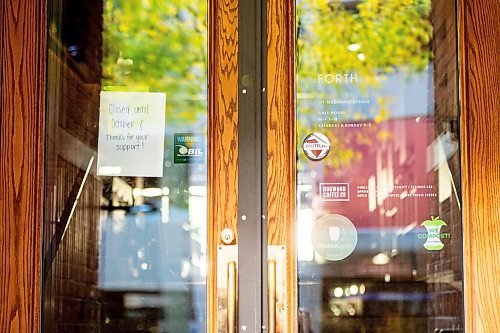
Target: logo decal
{"type": "Point", "coordinates": [334, 237]}
{"type": "Point", "coordinates": [189, 148]}
{"type": "Point", "coordinates": [434, 234]}
{"type": "Point", "coordinates": [334, 191]}
{"type": "Point", "coordinates": [316, 146]}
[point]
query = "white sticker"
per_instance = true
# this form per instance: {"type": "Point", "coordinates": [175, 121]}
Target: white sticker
{"type": "Point", "coordinates": [334, 237]}
{"type": "Point", "coordinates": [334, 191]}
{"type": "Point", "coordinates": [316, 146]}
{"type": "Point", "coordinates": [131, 134]}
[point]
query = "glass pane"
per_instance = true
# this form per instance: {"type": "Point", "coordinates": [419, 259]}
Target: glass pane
{"type": "Point", "coordinates": [379, 226]}
{"type": "Point", "coordinates": [125, 167]}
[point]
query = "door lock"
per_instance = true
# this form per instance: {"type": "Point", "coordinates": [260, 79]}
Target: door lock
{"type": "Point", "coordinates": [227, 236]}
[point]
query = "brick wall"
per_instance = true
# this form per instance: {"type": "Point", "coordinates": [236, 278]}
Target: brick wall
{"type": "Point", "coordinates": [443, 269]}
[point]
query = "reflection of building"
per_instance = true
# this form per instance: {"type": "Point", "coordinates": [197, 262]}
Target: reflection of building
{"type": "Point", "coordinates": [446, 270]}
{"type": "Point", "coordinates": [399, 180]}
{"type": "Point", "coordinates": [71, 300]}
{"type": "Point", "coordinates": [389, 182]}
{"type": "Point", "coordinates": [392, 190]}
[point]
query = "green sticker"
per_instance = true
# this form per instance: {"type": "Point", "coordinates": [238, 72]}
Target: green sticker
{"type": "Point", "coordinates": [334, 237]}
{"type": "Point", "coordinates": [434, 235]}
{"type": "Point", "coordinates": [189, 148]}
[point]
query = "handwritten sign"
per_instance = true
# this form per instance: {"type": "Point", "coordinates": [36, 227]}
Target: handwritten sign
{"type": "Point", "coordinates": [131, 134]}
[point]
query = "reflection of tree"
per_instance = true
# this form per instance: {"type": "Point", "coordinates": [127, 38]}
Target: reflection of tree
{"type": "Point", "coordinates": [372, 38]}
{"type": "Point", "coordinates": [376, 37]}
{"type": "Point", "coordinates": [158, 45]}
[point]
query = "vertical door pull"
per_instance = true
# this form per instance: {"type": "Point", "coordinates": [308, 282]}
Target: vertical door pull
{"type": "Point", "coordinates": [271, 295]}
{"type": "Point", "coordinates": [231, 297]}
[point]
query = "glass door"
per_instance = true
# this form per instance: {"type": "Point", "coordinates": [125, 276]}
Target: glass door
{"type": "Point", "coordinates": [253, 166]}
{"type": "Point", "coordinates": [126, 173]}
{"type": "Point", "coordinates": [379, 238]}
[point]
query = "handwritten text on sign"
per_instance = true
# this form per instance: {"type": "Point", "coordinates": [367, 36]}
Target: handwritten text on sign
{"type": "Point", "coordinates": [131, 134]}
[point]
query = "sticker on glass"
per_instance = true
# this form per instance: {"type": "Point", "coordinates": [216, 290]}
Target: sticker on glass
{"type": "Point", "coordinates": [316, 146]}
{"type": "Point", "coordinates": [334, 191]}
{"type": "Point", "coordinates": [131, 134]}
{"type": "Point", "coordinates": [189, 148]}
{"type": "Point", "coordinates": [434, 235]}
{"type": "Point", "coordinates": [334, 237]}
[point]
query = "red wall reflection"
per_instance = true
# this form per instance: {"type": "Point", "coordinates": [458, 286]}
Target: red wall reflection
{"type": "Point", "coordinates": [389, 167]}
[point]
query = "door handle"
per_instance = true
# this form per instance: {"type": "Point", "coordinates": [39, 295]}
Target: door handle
{"type": "Point", "coordinates": [231, 297]}
{"type": "Point", "coordinates": [227, 288]}
{"type": "Point", "coordinates": [271, 295]}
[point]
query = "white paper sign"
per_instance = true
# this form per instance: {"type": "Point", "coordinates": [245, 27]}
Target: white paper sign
{"type": "Point", "coordinates": [131, 134]}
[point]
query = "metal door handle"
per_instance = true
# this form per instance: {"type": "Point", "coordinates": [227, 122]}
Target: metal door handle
{"type": "Point", "coordinates": [271, 295]}
{"type": "Point", "coordinates": [231, 297]}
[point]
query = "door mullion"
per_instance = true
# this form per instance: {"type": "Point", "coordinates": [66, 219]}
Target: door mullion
{"type": "Point", "coordinates": [250, 167]}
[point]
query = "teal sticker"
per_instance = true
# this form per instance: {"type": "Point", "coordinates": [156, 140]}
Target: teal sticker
{"type": "Point", "coordinates": [334, 237]}
{"type": "Point", "coordinates": [189, 148]}
{"type": "Point", "coordinates": [434, 235]}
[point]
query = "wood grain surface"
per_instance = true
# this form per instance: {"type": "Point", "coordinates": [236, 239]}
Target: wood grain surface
{"type": "Point", "coordinates": [281, 168]}
{"type": "Point", "coordinates": [1, 56]}
{"type": "Point", "coordinates": [480, 102]}
{"type": "Point", "coordinates": [21, 163]}
{"type": "Point", "coordinates": [222, 137]}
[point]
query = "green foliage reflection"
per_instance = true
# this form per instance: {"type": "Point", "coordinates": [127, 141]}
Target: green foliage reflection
{"type": "Point", "coordinates": [374, 37]}
{"type": "Point", "coordinates": [158, 45]}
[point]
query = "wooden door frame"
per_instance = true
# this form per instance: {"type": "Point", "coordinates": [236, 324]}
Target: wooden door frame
{"type": "Point", "coordinates": [281, 142]}
{"type": "Point", "coordinates": [479, 53]}
{"type": "Point", "coordinates": [223, 145]}
{"type": "Point", "coordinates": [23, 58]}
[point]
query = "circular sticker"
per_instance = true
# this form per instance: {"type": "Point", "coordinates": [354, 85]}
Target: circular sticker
{"type": "Point", "coordinates": [334, 237]}
{"type": "Point", "coordinates": [316, 146]}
